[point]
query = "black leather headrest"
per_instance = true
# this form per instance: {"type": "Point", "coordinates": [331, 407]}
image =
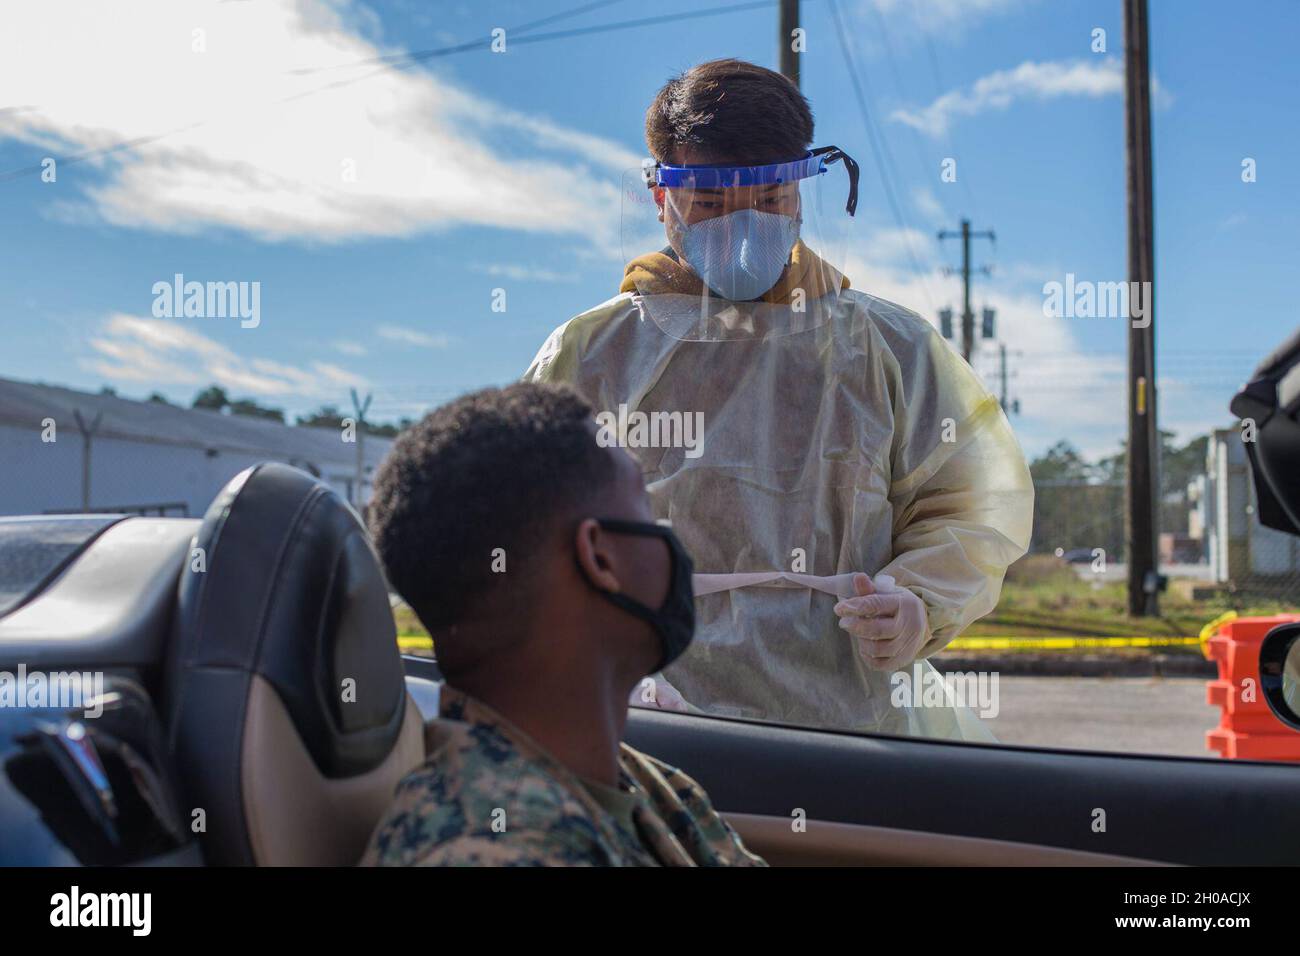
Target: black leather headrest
{"type": "Point", "coordinates": [284, 584]}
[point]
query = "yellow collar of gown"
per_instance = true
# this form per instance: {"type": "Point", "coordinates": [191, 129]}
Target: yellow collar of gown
{"type": "Point", "coordinates": [657, 273]}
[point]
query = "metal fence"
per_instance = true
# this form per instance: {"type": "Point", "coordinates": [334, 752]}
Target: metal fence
{"type": "Point", "coordinates": [1213, 536]}
{"type": "Point", "coordinates": [1078, 516]}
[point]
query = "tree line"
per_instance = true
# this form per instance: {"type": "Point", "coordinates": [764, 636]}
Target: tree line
{"type": "Point", "coordinates": [1080, 503]}
{"type": "Point", "coordinates": [215, 398]}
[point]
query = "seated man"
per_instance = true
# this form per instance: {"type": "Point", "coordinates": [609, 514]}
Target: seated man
{"type": "Point", "coordinates": [530, 553]}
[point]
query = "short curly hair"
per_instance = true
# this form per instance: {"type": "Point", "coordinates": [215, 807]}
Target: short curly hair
{"type": "Point", "coordinates": [496, 468]}
{"type": "Point", "coordinates": [729, 111]}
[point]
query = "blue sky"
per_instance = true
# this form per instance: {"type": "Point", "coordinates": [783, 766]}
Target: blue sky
{"type": "Point", "coordinates": [379, 209]}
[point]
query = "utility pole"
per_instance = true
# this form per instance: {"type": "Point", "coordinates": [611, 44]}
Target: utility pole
{"type": "Point", "coordinates": [1011, 406]}
{"type": "Point", "coordinates": [788, 21]}
{"type": "Point", "coordinates": [967, 316]}
{"type": "Point", "coordinates": [1002, 356]}
{"type": "Point", "coordinates": [1143, 441]}
{"type": "Point", "coordinates": [360, 408]}
{"type": "Point", "coordinates": [87, 433]}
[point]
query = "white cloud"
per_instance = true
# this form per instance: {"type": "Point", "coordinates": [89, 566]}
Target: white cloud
{"type": "Point", "coordinates": [1066, 389]}
{"type": "Point", "coordinates": [160, 352]}
{"type": "Point", "coordinates": [396, 333]}
{"type": "Point", "coordinates": [349, 348]}
{"type": "Point", "coordinates": [524, 273]}
{"type": "Point", "coordinates": [1028, 81]}
{"type": "Point", "coordinates": [932, 16]}
{"type": "Point", "coordinates": [929, 206]}
{"type": "Point", "coordinates": [895, 246]}
{"type": "Point", "coordinates": [256, 147]}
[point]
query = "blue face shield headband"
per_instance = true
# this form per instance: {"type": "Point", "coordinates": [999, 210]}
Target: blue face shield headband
{"type": "Point", "coordinates": [815, 163]}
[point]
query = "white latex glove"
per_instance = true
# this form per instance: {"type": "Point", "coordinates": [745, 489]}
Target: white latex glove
{"type": "Point", "coordinates": [655, 691]}
{"type": "Point", "coordinates": [889, 623]}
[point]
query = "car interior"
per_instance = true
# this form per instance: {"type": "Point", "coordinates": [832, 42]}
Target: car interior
{"type": "Point", "coordinates": [256, 710]}
{"type": "Point", "coordinates": [229, 645]}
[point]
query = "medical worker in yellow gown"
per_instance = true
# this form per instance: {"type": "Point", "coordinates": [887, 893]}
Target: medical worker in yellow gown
{"type": "Point", "coordinates": [855, 494]}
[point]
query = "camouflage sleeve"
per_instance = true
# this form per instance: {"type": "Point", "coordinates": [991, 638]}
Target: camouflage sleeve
{"type": "Point", "coordinates": [723, 840]}
{"type": "Point", "coordinates": [717, 841]}
{"type": "Point", "coordinates": [553, 847]}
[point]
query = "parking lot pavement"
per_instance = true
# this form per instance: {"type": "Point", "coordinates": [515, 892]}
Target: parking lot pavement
{"type": "Point", "coordinates": [1131, 714]}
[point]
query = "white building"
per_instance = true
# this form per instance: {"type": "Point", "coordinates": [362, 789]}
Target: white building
{"type": "Point", "coordinates": [147, 456]}
{"type": "Point", "coordinates": [1239, 548]}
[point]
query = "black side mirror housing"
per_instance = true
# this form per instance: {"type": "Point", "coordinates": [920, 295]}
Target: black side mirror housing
{"type": "Point", "coordinates": [1279, 672]}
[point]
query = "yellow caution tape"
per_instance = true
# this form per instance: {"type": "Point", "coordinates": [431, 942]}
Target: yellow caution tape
{"type": "Point", "coordinates": [1211, 629]}
{"type": "Point", "coordinates": [412, 642]}
{"type": "Point", "coordinates": [1064, 643]}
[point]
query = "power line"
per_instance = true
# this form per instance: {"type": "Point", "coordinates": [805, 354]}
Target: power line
{"type": "Point", "coordinates": [400, 60]}
{"type": "Point", "coordinates": [922, 162]}
{"type": "Point", "coordinates": [411, 59]}
{"type": "Point", "coordinates": [647, 21]}
{"type": "Point", "coordinates": [123, 146]}
{"type": "Point", "coordinates": [396, 58]}
{"type": "Point", "coordinates": [879, 151]}
{"type": "Point", "coordinates": [947, 133]}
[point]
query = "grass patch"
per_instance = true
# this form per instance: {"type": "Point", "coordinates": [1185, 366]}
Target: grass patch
{"type": "Point", "coordinates": [408, 625]}
{"type": "Point", "coordinates": [1044, 597]}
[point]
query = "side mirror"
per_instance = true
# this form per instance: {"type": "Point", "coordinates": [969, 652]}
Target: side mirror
{"type": "Point", "coordinates": [1279, 672]}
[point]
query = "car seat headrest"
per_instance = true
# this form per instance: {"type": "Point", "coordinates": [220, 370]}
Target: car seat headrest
{"type": "Point", "coordinates": [283, 618]}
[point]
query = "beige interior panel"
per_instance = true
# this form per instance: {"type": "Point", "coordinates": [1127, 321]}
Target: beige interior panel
{"type": "Point", "coordinates": [296, 816]}
{"type": "Point", "coordinates": [848, 844]}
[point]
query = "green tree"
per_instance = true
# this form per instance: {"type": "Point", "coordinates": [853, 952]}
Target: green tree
{"type": "Point", "coordinates": [213, 398]}
{"type": "Point", "coordinates": [1075, 505]}
{"type": "Point", "coordinates": [250, 408]}
{"type": "Point", "coordinates": [327, 416]}
{"type": "Point", "coordinates": [1061, 462]}
{"type": "Point", "coordinates": [387, 429]}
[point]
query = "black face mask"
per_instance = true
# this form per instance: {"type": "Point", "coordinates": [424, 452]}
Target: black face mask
{"type": "Point", "coordinates": [674, 622]}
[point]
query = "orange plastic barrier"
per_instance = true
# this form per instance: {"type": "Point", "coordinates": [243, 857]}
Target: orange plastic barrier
{"type": "Point", "coordinates": [1247, 728]}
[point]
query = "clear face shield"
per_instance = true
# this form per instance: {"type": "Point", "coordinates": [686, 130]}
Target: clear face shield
{"type": "Point", "coordinates": [737, 251]}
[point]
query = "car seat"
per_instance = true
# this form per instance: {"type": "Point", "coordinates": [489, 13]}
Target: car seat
{"type": "Point", "coordinates": [288, 720]}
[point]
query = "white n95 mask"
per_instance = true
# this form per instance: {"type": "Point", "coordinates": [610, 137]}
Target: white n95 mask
{"type": "Point", "coordinates": [742, 254]}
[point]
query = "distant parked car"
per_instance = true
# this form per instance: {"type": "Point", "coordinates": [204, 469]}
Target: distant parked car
{"type": "Point", "coordinates": [1079, 555]}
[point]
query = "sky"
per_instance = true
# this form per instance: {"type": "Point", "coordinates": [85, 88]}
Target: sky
{"type": "Point", "coordinates": [385, 204]}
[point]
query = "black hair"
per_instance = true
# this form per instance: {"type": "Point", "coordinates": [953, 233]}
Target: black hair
{"type": "Point", "coordinates": [729, 111]}
{"type": "Point", "coordinates": [497, 468]}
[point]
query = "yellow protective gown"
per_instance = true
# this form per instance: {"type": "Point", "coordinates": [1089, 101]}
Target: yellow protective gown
{"type": "Point", "coordinates": [845, 437]}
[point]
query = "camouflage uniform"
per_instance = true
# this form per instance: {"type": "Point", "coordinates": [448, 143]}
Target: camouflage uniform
{"type": "Point", "coordinates": [488, 795]}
